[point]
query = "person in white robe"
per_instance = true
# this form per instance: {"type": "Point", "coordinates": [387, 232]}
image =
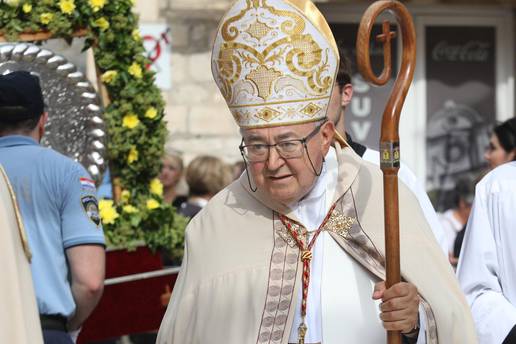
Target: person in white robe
{"type": "Point", "coordinates": [293, 251]}
{"type": "Point", "coordinates": [487, 263]}
{"type": "Point", "coordinates": [19, 319]}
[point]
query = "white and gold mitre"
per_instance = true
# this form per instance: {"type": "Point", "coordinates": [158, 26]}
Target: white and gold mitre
{"type": "Point", "coordinates": [275, 62]}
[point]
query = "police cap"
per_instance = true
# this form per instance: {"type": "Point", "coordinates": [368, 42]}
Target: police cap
{"type": "Point", "coordinates": [20, 97]}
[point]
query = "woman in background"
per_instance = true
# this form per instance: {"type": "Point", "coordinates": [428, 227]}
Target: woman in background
{"type": "Point", "coordinates": [502, 144]}
{"type": "Point", "coordinates": [205, 175]}
{"type": "Point", "coordinates": [501, 149]}
{"type": "Point", "coordinates": [170, 175]}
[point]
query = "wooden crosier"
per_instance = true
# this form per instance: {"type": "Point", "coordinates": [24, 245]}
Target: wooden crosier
{"type": "Point", "coordinates": [389, 137]}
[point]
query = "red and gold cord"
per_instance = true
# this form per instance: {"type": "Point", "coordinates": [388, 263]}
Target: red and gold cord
{"type": "Point", "coordinates": [306, 257]}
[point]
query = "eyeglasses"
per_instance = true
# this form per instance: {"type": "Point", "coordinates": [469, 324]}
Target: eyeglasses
{"type": "Point", "coordinates": [289, 149]}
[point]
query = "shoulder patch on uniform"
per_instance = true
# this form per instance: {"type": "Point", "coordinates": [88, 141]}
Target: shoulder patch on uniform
{"type": "Point", "coordinates": [91, 207]}
{"type": "Point", "coordinates": [87, 183]}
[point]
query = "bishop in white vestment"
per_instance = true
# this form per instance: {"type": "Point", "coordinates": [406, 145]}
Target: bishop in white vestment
{"type": "Point", "coordinates": [19, 320]}
{"type": "Point", "coordinates": [487, 264]}
{"type": "Point", "coordinates": [293, 251]}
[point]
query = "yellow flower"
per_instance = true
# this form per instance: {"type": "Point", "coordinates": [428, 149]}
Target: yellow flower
{"type": "Point", "coordinates": [135, 70]}
{"type": "Point", "coordinates": [97, 4]}
{"type": "Point", "coordinates": [152, 204]}
{"type": "Point", "coordinates": [107, 211]}
{"type": "Point", "coordinates": [151, 112]}
{"type": "Point", "coordinates": [67, 6]}
{"type": "Point", "coordinates": [102, 23]}
{"type": "Point", "coordinates": [125, 195]}
{"type": "Point", "coordinates": [156, 187]}
{"type": "Point", "coordinates": [27, 8]}
{"type": "Point", "coordinates": [109, 76]}
{"type": "Point", "coordinates": [136, 35]}
{"type": "Point", "coordinates": [133, 155]}
{"type": "Point", "coordinates": [46, 17]}
{"type": "Point", "coordinates": [130, 121]}
{"type": "Point", "coordinates": [129, 209]}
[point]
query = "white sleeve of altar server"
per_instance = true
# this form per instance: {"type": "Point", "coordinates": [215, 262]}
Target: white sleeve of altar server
{"type": "Point", "coordinates": [487, 264]}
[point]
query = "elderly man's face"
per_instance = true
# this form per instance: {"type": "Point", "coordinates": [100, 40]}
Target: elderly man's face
{"type": "Point", "coordinates": [288, 180]}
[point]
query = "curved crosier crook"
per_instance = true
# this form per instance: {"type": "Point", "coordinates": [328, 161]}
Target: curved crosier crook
{"type": "Point", "coordinates": [391, 115]}
{"type": "Point", "coordinates": [389, 137]}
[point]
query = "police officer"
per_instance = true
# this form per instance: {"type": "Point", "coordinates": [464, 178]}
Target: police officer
{"type": "Point", "coordinates": [58, 205]}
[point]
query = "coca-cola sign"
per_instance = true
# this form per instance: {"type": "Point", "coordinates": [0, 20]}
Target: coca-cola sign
{"type": "Point", "coordinates": [470, 51]}
{"type": "Point", "coordinates": [461, 96]}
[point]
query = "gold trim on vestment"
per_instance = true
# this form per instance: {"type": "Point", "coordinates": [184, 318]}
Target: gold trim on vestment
{"type": "Point", "coordinates": [21, 227]}
{"type": "Point", "coordinates": [273, 125]}
{"type": "Point", "coordinates": [278, 102]}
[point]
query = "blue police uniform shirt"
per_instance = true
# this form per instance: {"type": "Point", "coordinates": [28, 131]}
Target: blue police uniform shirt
{"type": "Point", "coordinates": [57, 200]}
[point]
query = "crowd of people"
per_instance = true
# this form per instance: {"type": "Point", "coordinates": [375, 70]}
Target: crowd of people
{"type": "Point", "coordinates": [285, 246]}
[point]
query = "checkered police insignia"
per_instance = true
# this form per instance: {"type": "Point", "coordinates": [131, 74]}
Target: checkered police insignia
{"type": "Point", "coordinates": [91, 207]}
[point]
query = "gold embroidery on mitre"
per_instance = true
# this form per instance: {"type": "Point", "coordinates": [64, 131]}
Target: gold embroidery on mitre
{"type": "Point", "coordinates": [263, 78]}
{"type": "Point", "coordinates": [230, 69]}
{"type": "Point", "coordinates": [308, 52]}
{"type": "Point", "coordinates": [258, 30]}
{"type": "Point", "coordinates": [267, 114]}
{"type": "Point", "coordinates": [231, 33]}
{"type": "Point", "coordinates": [287, 27]}
{"type": "Point", "coordinates": [237, 115]}
{"type": "Point", "coordinates": [287, 55]}
{"type": "Point", "coordinates": [311, 110]}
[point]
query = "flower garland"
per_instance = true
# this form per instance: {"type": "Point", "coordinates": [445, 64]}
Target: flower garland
{"type": "Point", "coordinates": [134, 119]}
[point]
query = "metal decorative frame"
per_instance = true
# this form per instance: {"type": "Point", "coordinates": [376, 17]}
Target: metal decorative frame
{"type": "Point", "coordinates": [75, 127]}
